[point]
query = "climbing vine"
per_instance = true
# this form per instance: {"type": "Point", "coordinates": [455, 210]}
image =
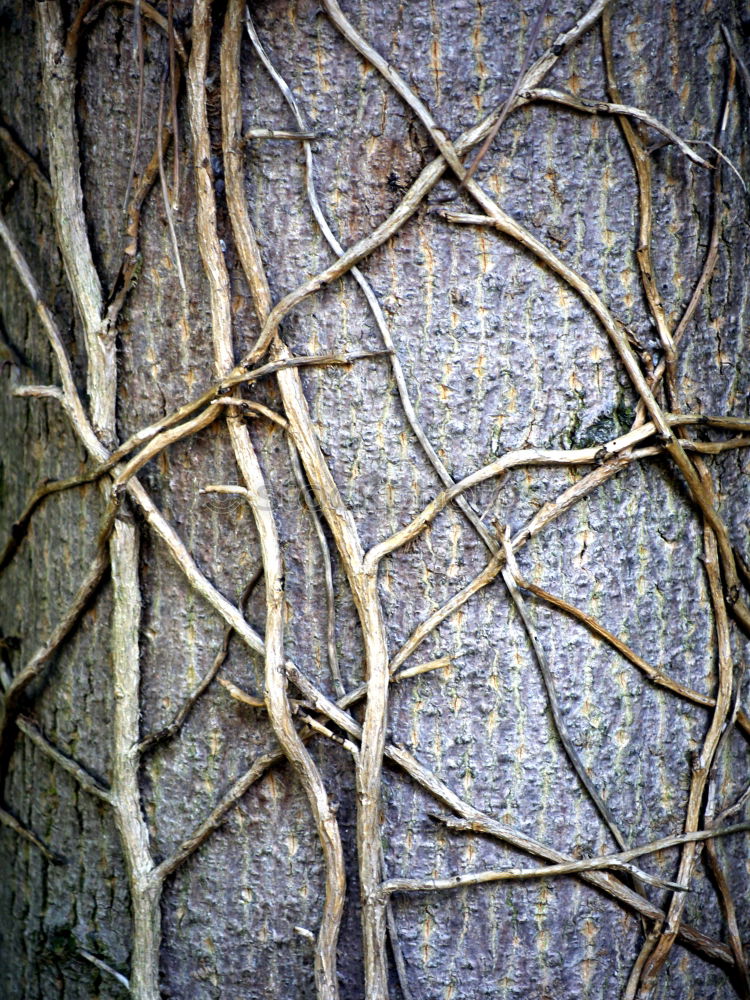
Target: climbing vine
{"type": "Point", "coordinates": [197, 174]}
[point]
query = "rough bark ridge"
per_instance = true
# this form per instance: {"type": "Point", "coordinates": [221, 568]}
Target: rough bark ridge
{"type": "Point", "coordinates": [375, 573]}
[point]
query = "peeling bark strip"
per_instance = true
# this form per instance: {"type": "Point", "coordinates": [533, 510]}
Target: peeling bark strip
{"type": "Point", "coordinates": [497, 426]}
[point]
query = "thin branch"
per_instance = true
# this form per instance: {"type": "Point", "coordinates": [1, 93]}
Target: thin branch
{"type": "Point", "coordinates": [642, 165]}
{"type": "Point", "coordinates": [318, 727]}
{"type": "Point", "coordinates": [333, 658]}
{"type": "Point", "coordinates": [730, 916]}
{"type": "Point", "coordinates": [174, 84]}
{"type": "Point", "coordinates": [14, 699]}
{"type": "Point", "coordinates": [709, 263]}
{"type": "Point", "coordinates": [58, 91]}
{"type": "Point", "coordinates": [173, 727]}
{"type": "Point", "coordinates": [160, 442]}
{"type": "Point", "coordinates": [398, 955]}
{"type": "Point", "coordinates": [481, 823]}
{"type": "Point", "coordinates": [601, 862]}
{"type": "Point", "coordinates": [84, 778]}
{"type": "Point", "coordinates": [26, 160]}
{"type": "Point", "coordinates": [147, 11]}
{"type": "Point", "coordinates": [276, 696]}
{"type": "Point", "coordinates": [589, 106]}
{"type": "Point", "coordinates": [716, 447]}
{"type": "Point", "coordinates": [511, 575]}
{"type": "Point", "coordinates": [217, 816]}
{"type": "Point", "coordinates": [425, 628]}
{"type": "Point", "coordinates": [548, 513]}
{"type": "Point", "coordinates": [735, 50]}
{"type": "Point", "coordinates": [724, 158]}
{"type": "Point", "coordinates": [131, 262]}
{"type": "Point", "coordinates": [704, 760]}
{"type": "Point", "coordinates": [525, 457]}
{"type": "Point", "coordinates": [276, 133]}
{"type": "Point", "coordinates": [451, 882]}
{"type": "Point", "coordinates": [165, 192]}
{"type": "Point", "coordinates": [149, 436]}
{"type": "Point", "coordinates": [239, 695]}
{"type": "Point", "coordinates": [139, 57]}
{"type": "Point", "coordinates": [419, 190]}
{"type": "Point", "coordinates": [39, 392]}
{"type": "Point", "coordinates": [9, 820]}
{"type": "Point", "coordinates": [736, 807]}
{"type": "Point", "coordinates": [364, 589]}
{"type": "Point", "coordinates": [422, 668]}
{"type": "Point", "coordinates": [655, 674]}
{"type": "Point", "coordinates": [69, 398]}
{"type": "Point", "coordinates": [20, 527]}
{"type": "Point", "coordinates": [518, 81]}
{"type": "Point", "coordinates": [101, 964]}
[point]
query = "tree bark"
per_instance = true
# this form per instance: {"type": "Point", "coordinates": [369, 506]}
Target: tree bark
{"type": "Point", "coordinates": [287, 712]}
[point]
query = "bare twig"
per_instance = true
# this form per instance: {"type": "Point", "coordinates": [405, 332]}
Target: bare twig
{"type": "Point", "coordinates": [139, 57]}
{"type": "Point", "coordinates": [86, 780]}
{"type": "Point", "coordinates": [276, 133]}
{"type": "Point", "coordinates": [203, 831]}
{"type": "Point", "coordinates": [239, 695]}
{"type": "Point", "coordinates": [589, 106]}
{"type": "Point", "coordinates": [620, 448]}
{"type": "Point", "coordinates": [25, 158]}
{"type": "Point", "coordinates": [655, 674]}
{"type": "Point", "coordinates": [709, 265]}
{"type": "Point", "coordinates": [165, 192]}
{"type": "Point", "coordinates": [58, 88]}
{"type": "Point", "coordinates": [175, 725]}
{"type": "Point", "coordinates": [421, 187]}
{"type": "Point", "coordinates": [702, 764]}
{"type": "Point", "coordinates": [277, 702]}
{"type": "Point", "coordinates": [147, 11]}
{"type": "Point", "coordinates": [735, 50]}
{"type": "Point", "coordinates": [364, 590]}
{"type": "Point", "coordinates": [508, 103]}
{"type": "Point", "coordinates": [14, 699]}
{"type": "Point", "coordinates": [642, 164]}
{"type": "Point", "coordinates": [333, 657]}
{"type": "Point", "coordinates": [511, 575]}
{"type": "Point", "coordinates": [9, 820]}
{"type": "Point", "coordinates": [58, 78]}
{"type": "Point", "coordinates": [605, 860]}
{"type": "Point", "coordinates": [105, 967]}
{"type": "Point", "coordinates": [20, 526]}
{"type": "Point", "coordinates": [174, 84]}
{"type": "Point", "coordinates": [481, 823]}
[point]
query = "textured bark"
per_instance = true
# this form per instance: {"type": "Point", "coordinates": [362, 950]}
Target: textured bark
{"type": "Point", "coordinates": [498, 353]}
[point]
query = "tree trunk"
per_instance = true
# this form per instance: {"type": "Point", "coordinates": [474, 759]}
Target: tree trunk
{"type": "Point", "coordinates": [185, 811]}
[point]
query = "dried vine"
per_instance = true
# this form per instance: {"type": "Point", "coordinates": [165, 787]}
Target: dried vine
{"type": "Point", "coordinates": [660, 431]}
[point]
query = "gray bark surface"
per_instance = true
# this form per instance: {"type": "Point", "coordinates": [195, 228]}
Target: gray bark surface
{"type": "Point", "coordinates": [499, 354]}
